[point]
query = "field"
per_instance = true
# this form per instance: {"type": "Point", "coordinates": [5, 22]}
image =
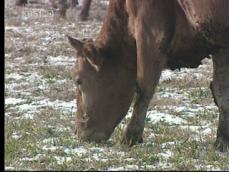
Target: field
{"type": "Point", "coordinates": [40, 105]}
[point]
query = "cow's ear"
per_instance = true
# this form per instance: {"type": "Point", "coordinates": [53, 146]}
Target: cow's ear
{"type": "Point", "coordinates": [93, 56]}
{"type": "Point", "coordinates": [75, 43]}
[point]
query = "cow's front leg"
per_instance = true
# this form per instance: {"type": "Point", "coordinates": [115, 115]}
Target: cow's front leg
{"type": "Point", "coordinates": [144, 92]}
{"type": "Point", "coordinates": [220, 91]}
{"type": "Point", "coordinates": [135, 127]}
{"type": "Point", "coordinates": [150, 63]}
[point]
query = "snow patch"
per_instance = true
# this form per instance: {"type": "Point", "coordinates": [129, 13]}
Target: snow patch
{"type": "Point", "coordinates": [60, 160]}
{"type": "Point", "coordinates": [50, 140]}
{"type": "Point", "coordinates": [13, 101]}
{"type": "Point", "coordinates": [163, 145]}
{"type": "Point", "coordinates": [166, 155]}
{"type": "Point", "coordinates": [206, 131]}
{"type": "Point", "coordinates": [127, 167]}
{"type": "Point", "coordinates": [16, 135]}
{"type": "Point", "coordinates": [15, 28]}
{"type": "Point", "coordinates": [97, 158]}
{"type": "Point", "coordinates": [79, 150]}
{"type": "Point", "coordinates": [29, 110]}
{"type": "Point", "coordinates": [155, 117]}
{"type": "Point", "coordinates": [31, 159]}
{"type": "Point", "coordinates": [166, 75]}
{"type": "Point", "coordinates": [61, 60]}
{"type": "Point", "coordinates": [171, 94]}
{"type": "Point", "coordinates": [202, 129]}
{"type": "Point", "coordinates": [208, 167]}
{"type": "Point", "coordinates": [10, 168]}
{"type": "Point", "coordinates": [14, 76]}
{"type": "Point", "coordinates": [51, 148]}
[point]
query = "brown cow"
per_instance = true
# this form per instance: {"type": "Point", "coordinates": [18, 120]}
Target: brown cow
{"type": "Point", "coordinates": [63, 5]}
{"type": "Point", "coordinates": [137, 41]}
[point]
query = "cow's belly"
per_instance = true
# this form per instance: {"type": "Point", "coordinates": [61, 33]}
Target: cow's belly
{"type": "Point", "coordinates": [189, 53]}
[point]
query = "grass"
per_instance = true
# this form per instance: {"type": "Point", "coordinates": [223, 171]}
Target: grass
{"type": "Point", "coordinates": [41, 136]}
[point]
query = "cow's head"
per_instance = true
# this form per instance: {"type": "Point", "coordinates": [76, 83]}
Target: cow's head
{"type": "Point", "coordinates": [105, 87]}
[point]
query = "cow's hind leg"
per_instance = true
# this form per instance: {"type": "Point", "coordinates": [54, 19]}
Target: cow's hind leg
{"type": "Point", "coordinates": [220, 91]}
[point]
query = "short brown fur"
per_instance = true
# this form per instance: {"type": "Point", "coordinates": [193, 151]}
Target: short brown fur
{"type": "Point", "coordinates": [137, 41]}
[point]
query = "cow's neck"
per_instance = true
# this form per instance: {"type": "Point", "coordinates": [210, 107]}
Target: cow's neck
{"type": "Point", "coordinates": [114, 35]}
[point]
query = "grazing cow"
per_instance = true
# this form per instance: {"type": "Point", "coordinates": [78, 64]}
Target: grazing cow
{"type": "Point", "coordinates": [137, 41]}
{"type": "Point", "coordinates": [63, 5]}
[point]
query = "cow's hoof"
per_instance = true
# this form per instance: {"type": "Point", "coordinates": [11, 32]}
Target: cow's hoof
{"type": "Point", "coordinates": [222, 145]}
{"type": "Point", "coordinates": [131, 138]}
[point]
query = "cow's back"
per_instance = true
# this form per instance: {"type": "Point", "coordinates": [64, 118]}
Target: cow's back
{"type": "Point", "coordinates": [211, 17]}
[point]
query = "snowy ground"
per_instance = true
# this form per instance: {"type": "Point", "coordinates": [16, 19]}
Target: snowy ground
{"type": "Point", "coordinates": [40, 105]}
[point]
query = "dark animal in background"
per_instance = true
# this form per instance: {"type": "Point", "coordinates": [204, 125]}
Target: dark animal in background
{"type": "Point", "coordinates": [21, 2]}
{"type": "Point", "coordinates": [84, 12]}
{"type": "Point", "coordinates": [137, 41]}
{"type": "Point", "coordinates": [64, 5]}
